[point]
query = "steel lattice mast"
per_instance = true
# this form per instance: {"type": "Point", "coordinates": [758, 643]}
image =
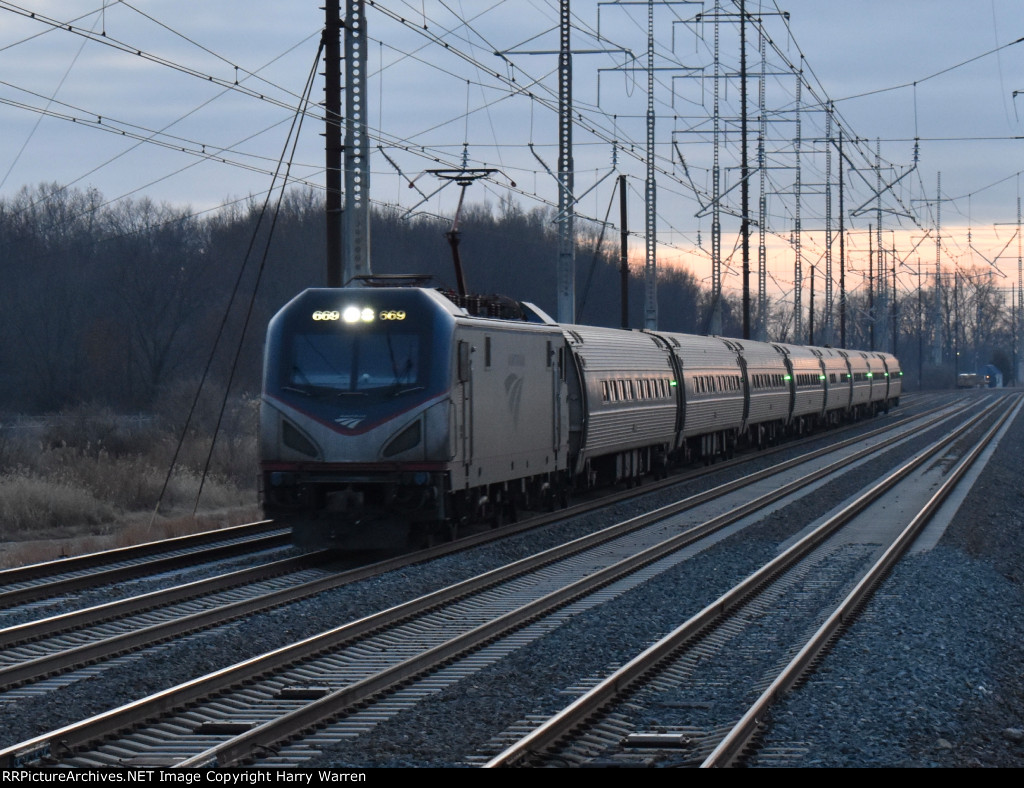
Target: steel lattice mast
{"type": "Point", "coordinates": [332, 139]}
{"type": "Point", "coordinates": [650, 190]}
{"type": "Point", "coordinates": [762, 206]}
{"type": "Point", "coordinates": [715, 326]}
{"type": "Point", "coordinates": [1019, 371]}
{"type": "Point", "coordinates": [882, 310]}
{"type": "Point", "coordinates": [566, 209]}
{"type": "Point", "coordinates": [842, 248]}
{"type": "Point", "coordinates": [828, 331]}
{"type": "Point", "coordinates": [937, 317]}
{"type": "Point", "coordinates": [357, 146]}
{"type": "Point", "coordinates": [798, 263]}
{"type": "Point", "coordinates": [744, 172]}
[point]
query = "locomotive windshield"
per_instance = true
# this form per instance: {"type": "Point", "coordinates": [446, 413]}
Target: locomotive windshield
{"type": "Point", "coordinates": [367, 363]}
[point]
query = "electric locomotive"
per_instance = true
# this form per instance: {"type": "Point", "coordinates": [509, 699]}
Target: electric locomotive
{"type": "Point", "coordinates": [390, 413]}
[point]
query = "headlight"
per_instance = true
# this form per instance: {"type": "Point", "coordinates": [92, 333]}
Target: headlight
{"type": "Point", "coordinates": [351, 314]}
{"type": "Point", "coordinates": [357, 314]}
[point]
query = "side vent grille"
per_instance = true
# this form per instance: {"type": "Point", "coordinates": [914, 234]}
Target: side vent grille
{"type": "Point", "coordinates": [409, 438]}
{"type": "Point", "coordinates": [294, 439]}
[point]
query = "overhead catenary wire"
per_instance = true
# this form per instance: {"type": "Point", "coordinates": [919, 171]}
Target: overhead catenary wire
{"type": "Point", "coordinates": [467, 39]}
{"type": "Point", "coordinates": [39, 119]}
{"type": "Point", "coordinates": [121, 46]}
{"type": "Point", "coordinates": [440, 159]}
{"type": "Point", "coordinates": [292, 140]}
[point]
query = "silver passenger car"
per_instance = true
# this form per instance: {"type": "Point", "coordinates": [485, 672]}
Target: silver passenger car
{"type": "Point", "coordinates": [623, 402]}
{"type": "Point", "coordinates": [713, 390]}
{"type": "Point", "coordinates": [808, 381]}
{"type": "Point", "coordinates": [767, 373]}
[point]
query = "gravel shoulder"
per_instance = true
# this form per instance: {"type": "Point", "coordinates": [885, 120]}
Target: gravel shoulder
{"type": "Point", "coordinates": [932, 675]}
{"type": "Point", "coordinates": [929, 676]}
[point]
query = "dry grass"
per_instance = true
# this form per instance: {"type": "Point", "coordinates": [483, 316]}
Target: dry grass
{"type": "Point", "coordinates": [90, 480]}
{"type": "Point", "coordinates": [130, 531]}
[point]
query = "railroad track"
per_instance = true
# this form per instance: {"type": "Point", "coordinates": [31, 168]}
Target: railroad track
{"type": "Point", "coordinates": [296, 689]}
{"type": "Point", "coordinates": [608, 725]}
{"type": "Point", "coordinates": [59, 578]}
{"type": "Point", "coordinates": [54, 645]}
{"type": "Point", "coordinates": [67, 575]}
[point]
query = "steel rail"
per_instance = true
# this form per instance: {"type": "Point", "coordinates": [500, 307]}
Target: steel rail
{"type": "Point", "coordinates": [103, 557]}
{"type": "Point", "coordinates": [68, 659]}
{"type": "Point", "coordinates": [119, 608]}
{"type": "Point", "coordinates": [622, 679]}
{"type": "Point", "coordinates": [80, 563]}
{"type": "Point", "coordinates": [29, 593]}
{"type": "Point", "coordinates": [264, 737]}
{"type": "Point", "coordinates": [730, 748]}
{"type": "Point", "coordinates": [75, 736]}
{"type": "Point", "coordinates": [87, 653]}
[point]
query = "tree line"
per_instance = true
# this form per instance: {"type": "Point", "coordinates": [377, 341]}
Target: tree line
{"type": "Point", "coordinates": [130, 303]}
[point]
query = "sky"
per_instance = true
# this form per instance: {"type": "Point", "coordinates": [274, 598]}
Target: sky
{"type": "Point", "coordinates": [191, 102]}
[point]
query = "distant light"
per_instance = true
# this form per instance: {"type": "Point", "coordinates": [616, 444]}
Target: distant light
{"type": "Point", "coordinates": [367, 315]}
{"type": "Point", "coordinates": [673, 383]}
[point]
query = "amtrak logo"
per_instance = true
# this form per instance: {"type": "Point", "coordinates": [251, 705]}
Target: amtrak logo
{"type": "Point", "coordinates": [349, 422]}
{"type": "Point", "coordinates": [514, 393]}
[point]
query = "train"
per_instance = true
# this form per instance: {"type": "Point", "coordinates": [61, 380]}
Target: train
{"type": "Point", "coordinates": [988, 377]}
{"type": "Point", "coordinates": [393, 415]}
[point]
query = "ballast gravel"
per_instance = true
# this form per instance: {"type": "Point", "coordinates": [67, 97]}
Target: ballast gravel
{"type": "Point", "coordinates": [929, 675]}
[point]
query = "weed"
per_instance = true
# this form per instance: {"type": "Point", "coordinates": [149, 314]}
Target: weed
{"type": "Point", "coordinates": [90, 474]}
